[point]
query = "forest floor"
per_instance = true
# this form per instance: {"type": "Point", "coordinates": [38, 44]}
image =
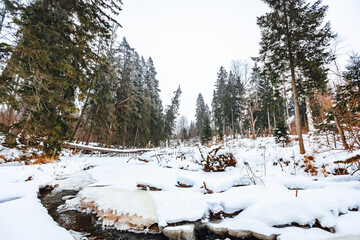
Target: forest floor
{"type": "Point", "coordinates": [271, 192]}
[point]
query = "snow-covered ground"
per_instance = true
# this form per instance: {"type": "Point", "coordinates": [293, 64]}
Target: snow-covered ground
{"type": "Point", "coordinates": [268, 192]}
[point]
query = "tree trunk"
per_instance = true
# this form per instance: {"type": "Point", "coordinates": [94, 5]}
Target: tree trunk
{"type": "Point", "coordinates": [136, 134]}
{"type": "Point", "coordinates": [274, 115]}
{"type": "Point", "coordinates": [89, 136]}
{"type": "Point", "coordinates": [252, 123]}
{"type": "Point", "coordinates": [287, 115]}
{"type": "Point", "coordinates": [293, 82]}
{"type": "Point", "coordinates": [2, 18]}
{"type": "Point", "coordinates": [124, 136]}
{"type": "Point", "coordinates": [224, 135]}
{"type": "Point", "coordinates": [232, 123]}
{"type": "Point", "coordinates": [341, 132]}
{"type": "Point", "coordinates": [91, 126]}
{"type": "Point", "coordinates": [309, 114]}
{"type": "Point", "coordinates": [241, 130]}
{"type": "Point", "coordinates": [269, 126]}
{"type": "Point", "coordinates": [297, 111]}
{"type": "Point", "coordinates": [18, 119]}
{"type": "Point", "coordinates": [81, 115]}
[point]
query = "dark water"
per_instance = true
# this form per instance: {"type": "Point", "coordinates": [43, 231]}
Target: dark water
{"type": "Point", "coordinates": [89, 227]}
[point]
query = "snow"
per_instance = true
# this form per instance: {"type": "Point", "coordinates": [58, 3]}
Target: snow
{"type": "Point", "coordinates": [180, 232]}
{"type": "Point", "coordinates": [272, 206]}
{"type": "Point", "coordinates": [26, 218]}
{"type": "Point", "coordinates": [178, 206]}
{"type": "Point", "coordinates": [120, 201]}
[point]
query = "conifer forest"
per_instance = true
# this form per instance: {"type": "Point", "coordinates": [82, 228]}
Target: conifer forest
{"type": "Point", "coordinates": [98, 141]}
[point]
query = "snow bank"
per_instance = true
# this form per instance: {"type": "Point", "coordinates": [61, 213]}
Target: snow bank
{"type": "Point", "coordinates": [109, 188]}
{"type": "Point", "coordinates": [26, 218]}
{"type": "Point", "coordinates": [124, 209]}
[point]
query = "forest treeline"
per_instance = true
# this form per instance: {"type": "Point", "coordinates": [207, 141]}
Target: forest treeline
{"type": "Point", "coordinates": [288, 87]}
{"type": "Point", "coordinates": [66, 76]}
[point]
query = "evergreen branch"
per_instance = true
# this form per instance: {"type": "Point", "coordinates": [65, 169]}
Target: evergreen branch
{"type": "Point", "coordinates": [119, 105]}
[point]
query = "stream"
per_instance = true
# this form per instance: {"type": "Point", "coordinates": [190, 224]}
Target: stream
{"type": "Point", "coordinates": [85, 226]}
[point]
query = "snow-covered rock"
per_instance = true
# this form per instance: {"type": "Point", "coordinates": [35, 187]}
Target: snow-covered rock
{"type": "Point", "coordinates": [183, 232]}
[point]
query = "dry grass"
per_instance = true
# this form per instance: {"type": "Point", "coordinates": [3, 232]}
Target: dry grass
{"type": "Point", "coordinates": [309, 167]}
{"type": "Point", "coordinates": [43, 160]}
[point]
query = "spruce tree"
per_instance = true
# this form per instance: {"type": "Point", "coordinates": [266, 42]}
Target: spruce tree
{"type": "Point", "coordinates": [53, 57]}
{"type": "Point", "coordinates": [281, 133]}
{"type": "Point", "coordinates": [268, 103]}
{"type": "Point", "coordinates": [171, 114]}
{"type": "Point", "coordinates": [206, 132]}
{"type": "Point", "coordinates": [227, 102]}
{"type": "Point", "coordinates": [218, 102]}
{"type": "Point", "coordinates": [232, 101]}
{"type": "Point", "coordinates": [202, 110]}
{"type": "Point", "coordinates": [346, 111]}
{"type": "Point", "coordinates": [156, 109]}
{"type": "Point", "coordinates": [292, 38]}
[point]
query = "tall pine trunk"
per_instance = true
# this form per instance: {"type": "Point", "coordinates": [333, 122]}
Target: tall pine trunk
{"type": "Point", "coordinates": [274, 116]}
{"type": "Point", "coordinates": [341, 132]}
{"type": "Point", "coordinates": [241, 130]}
{"type": "Point", "coordinates": [232, 123]}
{"type": "Point", "coordinates": [309, 114]}
{"type": "Point", "coordinates": [89, 136]}
{"type": "Point", "coordinates": [287, 115]}
{"type": "Point", "coordinates": [268, 116]}
{"type": "Point", "coordinates": [252, 123]}
{"type": "Point", "coordinates": [293, 82]}
{"type": "Point", "coordinates": [136, 135]}
{"type": "Point", "coordinates": [81, 116]}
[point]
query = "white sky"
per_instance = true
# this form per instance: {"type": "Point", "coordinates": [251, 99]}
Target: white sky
{"type": "Point", "coordinates": [190, 39]}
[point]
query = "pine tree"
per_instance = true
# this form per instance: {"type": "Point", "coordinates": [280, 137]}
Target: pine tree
{"type": "Point", "coordinates": [347, 108]}
{"type": "Point", "coordinates": [253, 100]}
{"type": "Point", "coordinates": [352, 73]}
{"type": "Point", "coordinates": [232, 101]}
{"type": "Point", "coordinates": [218, 104]}
{"type": "Point", "coordinates": [156, 110]}
{"type": "Point", "coordinates": [281, 133]}
{"type": "Point", "coordinates": [53, 58]}
{"type": "Point", "coordinates": [206, 132]}
{"type": "Point", "coordinates": [226, 103]}
{"type": "Point", "coordinates": [292, 39]}
{"type": "Point", "coordinates": [202, 111]}
{"type": "Point", "coordinates": [171, 114]}
{"type": "Point", "coordinates": [268, 103]}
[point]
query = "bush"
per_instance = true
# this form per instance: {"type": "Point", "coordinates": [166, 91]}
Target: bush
{"type": "Point", "coordinates": [217, 162]}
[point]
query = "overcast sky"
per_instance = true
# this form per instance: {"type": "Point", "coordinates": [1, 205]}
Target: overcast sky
{"type": "Point", "coordinates": [190, 39]}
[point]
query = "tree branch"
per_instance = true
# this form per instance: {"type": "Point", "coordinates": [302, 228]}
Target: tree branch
{"type": "Point", "coordinates": [119, 105]}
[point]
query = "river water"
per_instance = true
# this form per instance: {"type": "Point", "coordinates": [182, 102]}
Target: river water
{"type": "Point", "coordinates": [86, 226]}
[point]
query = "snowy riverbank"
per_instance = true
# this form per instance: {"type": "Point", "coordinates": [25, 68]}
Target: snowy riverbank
{"type": "Point", "coordinates": [270, 195]}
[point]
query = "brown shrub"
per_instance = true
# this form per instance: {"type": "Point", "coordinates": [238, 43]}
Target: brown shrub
{"type": "Point", "coordinates": [309, 168]}
{"type": "Point", "coordinates": [217, 162]}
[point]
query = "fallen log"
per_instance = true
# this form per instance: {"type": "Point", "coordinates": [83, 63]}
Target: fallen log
{"type": "Point", "coordinates": [106, 150]}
